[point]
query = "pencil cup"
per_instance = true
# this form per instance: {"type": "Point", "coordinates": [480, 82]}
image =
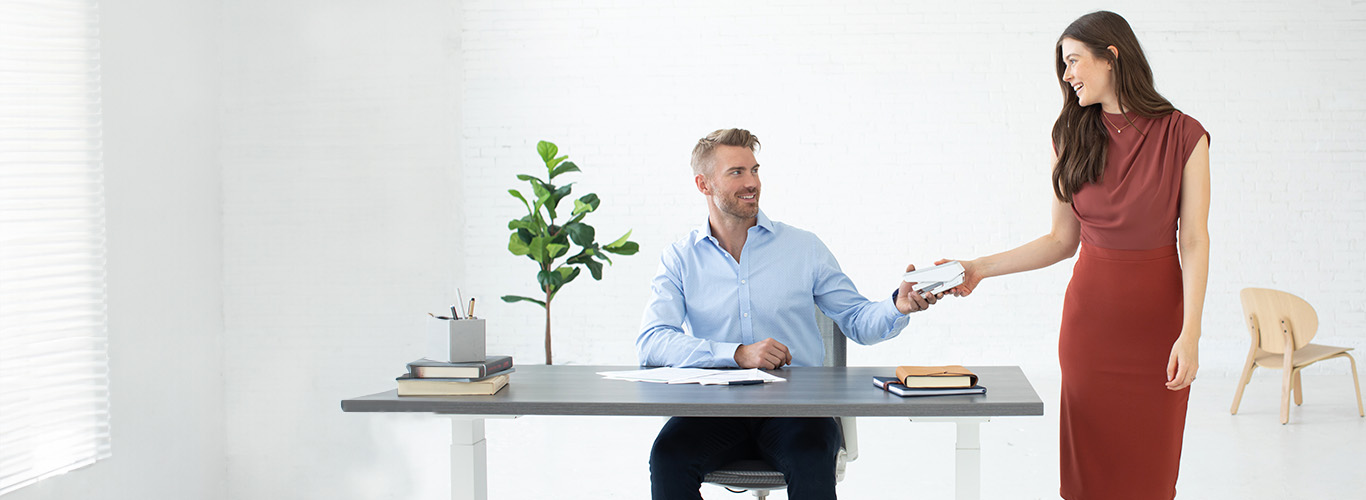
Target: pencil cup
{"type": "Point", "coordinates": [467, 340]}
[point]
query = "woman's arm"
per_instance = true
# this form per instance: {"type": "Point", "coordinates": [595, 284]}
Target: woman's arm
{"type": "Point", "coordinates": [1193, 241]}
{"type": "Point", "coordinates": [1060, 243]}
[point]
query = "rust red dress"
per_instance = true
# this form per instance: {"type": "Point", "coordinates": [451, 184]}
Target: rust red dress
{"type": "Point", "coordinates": [1121, 428]}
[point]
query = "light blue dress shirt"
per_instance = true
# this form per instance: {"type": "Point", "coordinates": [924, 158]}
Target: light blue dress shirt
{"type": "Point", "coordinates": [703, 304]}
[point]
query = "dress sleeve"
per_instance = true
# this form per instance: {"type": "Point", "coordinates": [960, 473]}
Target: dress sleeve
{"type": "Point", "coordinates": [1188, 133]}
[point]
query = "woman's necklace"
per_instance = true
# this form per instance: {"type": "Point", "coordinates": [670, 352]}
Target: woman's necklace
{"type": "Point", "coordinates": [1118, 130]}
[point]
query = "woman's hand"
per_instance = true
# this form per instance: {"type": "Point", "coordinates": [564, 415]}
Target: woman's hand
{"type": "Point", "coordinates": [1184, 361]}
{"type": "Point", "coordinates": [972, 275]}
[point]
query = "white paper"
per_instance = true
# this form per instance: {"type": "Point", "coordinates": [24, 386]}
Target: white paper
{"type": "Point", "coordinates": [704, 376]}
{"type": "Point", "coordinates": [724, 377]}
{"type": "Point", "coordinates": [661, 375]}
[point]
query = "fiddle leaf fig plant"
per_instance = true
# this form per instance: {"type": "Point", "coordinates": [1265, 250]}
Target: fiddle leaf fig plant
{"type": "Point", "coordinates": [540, 237]}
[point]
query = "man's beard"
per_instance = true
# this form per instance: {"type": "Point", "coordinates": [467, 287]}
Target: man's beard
{"type": "Point", "coordinates": [732, 206]}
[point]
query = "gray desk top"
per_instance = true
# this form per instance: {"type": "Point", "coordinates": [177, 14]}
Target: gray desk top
{"type": "Point", "coordinates": [808, 392]}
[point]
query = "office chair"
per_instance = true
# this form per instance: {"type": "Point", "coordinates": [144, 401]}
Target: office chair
{"type": "Point", "coordinates": [756, 475]}
{"type": "Point", "coordinates": [1282, 325]}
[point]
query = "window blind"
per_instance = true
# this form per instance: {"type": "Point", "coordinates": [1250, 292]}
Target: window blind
{"type": "Point", "coordinates": [54, 375]}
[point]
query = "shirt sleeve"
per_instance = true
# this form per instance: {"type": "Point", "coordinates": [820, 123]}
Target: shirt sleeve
{"type": "Point", "coordinates": [1188, 131]}
{"type": "Point", "coordinates": [864, 321]}
{"type": "Point", "coordinates": [662, 341]}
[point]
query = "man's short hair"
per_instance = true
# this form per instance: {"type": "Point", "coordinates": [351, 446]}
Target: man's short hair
{"type": "Point", "coordinates": [703, 156]}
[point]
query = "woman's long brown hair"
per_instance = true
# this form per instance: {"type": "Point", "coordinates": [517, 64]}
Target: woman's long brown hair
{"type": "Point", "coordinates": [1079, 135]}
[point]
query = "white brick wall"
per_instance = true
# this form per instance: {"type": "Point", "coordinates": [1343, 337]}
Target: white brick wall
{"type": "Point", "coordinates": [367, 149]}
{"type": "Point", "coordinates": [867, 109]}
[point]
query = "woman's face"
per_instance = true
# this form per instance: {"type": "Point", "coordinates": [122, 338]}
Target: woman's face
{"type": "Point", "coordinates": [1090, 76]}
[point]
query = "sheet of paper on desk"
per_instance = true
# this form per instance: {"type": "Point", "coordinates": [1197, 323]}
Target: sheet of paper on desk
{"type": "Point", "coordinates": [725, 377]}
{"type": "Point", "coordinates": [662, 375]}
{"type": "Point", "coordinates": [704, 376]}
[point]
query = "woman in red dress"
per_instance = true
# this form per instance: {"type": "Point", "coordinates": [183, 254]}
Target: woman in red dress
{"type": "Point", "coordinates": [1131, 186]}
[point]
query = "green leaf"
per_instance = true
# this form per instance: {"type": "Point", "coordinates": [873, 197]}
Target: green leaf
{"type": "Point", "coordinates": [595, 268]}
{"type": "Point", "coordinates": [603, 256]}
{"type": "Point", "coordinates": [518, 194]}
{"type": "Point", "coordinates": [541, 194]}
{"type": "Point", "coordinates": [523, 223]}
{"type": "Point", "coordinates": [517, 246]}
{"type": "Point", "coordinates": [548, 150]}
{"type": "Point", "coordinates": [553, 203]}
{"type": "Point", "coordinates": [620, 241]}
{"type": "Point", "coordinates": [628, 248]}
{"type": "Point", "coordinates": [581, 233]}
{"type": "Point", "coordinates": [568, 274]}
{"type": "Point", "coordinates": [518, 298]}
{"type": "Point", "coordinates": [529, 178]}
{"type": "Point", "coordinates": [542, 191]}
{"type": "Point", "coordinates": [551, 279]}
{"type": "Point", "coordinates": [586, 203]}
{"type": "Point", "coordinates": [551, 164]}
{"type": "Point", "coordinates": [538, 249]}
{"type": "Point", "coordinates": [556, 250]}
{"type": "Point", "coordinates": [565, 168]}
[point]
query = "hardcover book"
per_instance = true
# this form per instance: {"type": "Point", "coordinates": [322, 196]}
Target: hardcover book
{"type": "Point", "coordinates": [413, 386]}
{"type": "Point", "coordinates": [935, 376]}
{"type": "Point", "coordinates": [426, 368]}
{"type": "Point", "coordinates": [890, 384]}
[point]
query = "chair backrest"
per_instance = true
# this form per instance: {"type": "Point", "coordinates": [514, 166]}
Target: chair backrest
{"type": "Point", "coordinates": [1271, 314]}
{"type": "Point", "coordinates": [833, 338]}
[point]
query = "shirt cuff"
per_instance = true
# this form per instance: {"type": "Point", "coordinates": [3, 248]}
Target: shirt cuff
{"type": "Point", "coordinates": [724, 353]}
{"type": "Point", "coordinates": [896, 313]}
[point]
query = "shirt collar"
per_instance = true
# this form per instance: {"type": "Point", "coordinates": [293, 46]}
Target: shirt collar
{"type": "Point", "coordinates": [705, 233]}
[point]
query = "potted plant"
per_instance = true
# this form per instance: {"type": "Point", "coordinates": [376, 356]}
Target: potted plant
{"type": "Point", "coordinates": [537, 235]}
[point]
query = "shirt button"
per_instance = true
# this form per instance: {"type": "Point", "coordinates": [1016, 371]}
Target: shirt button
{"type": "Point", "coordinates": [746, 315]}
{"type": "Point", "coordinates": [742, 282]}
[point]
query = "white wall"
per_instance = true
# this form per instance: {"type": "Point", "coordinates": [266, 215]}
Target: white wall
{"type": "Point", "coordinates": [367, 147]}
{"type": "Point", "coordinates": [341, 231]}
{"type": "Point", "coordinates": [160, 69]}
{"type": "Point", "coordinates": [868, 109]}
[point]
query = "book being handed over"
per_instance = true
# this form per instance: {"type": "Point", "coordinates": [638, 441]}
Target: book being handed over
{"type": "Point", "coordinates": [935, 376]}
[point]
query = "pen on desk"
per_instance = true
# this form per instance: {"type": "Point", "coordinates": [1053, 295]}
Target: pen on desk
{"type": "Point", "coordinates": [745, 382]}
{"type": "Point", "coordinates": [469, 313]}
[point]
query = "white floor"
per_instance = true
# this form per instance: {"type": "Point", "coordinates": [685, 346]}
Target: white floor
{"type": "Point", "coordinates": [1251, 456]}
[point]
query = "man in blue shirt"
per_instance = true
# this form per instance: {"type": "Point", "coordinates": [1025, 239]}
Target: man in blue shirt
{"type": "Point", "coordinates": [739, 292]}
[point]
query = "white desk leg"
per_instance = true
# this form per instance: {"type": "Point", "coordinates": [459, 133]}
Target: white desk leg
{"type": "Point", "coordinates": [469, 459]}
{"type": "Point", "coordinates": [968, 458]}
{"type": "Point", "coordinates": [967, 454]}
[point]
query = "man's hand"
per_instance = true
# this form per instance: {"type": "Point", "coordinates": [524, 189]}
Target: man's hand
{"type": "Point", "coordinates": [909, 301]}
{"type": "Point", "coordinates": [767, 354]}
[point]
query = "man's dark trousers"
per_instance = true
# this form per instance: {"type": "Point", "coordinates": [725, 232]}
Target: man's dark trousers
{"type": "Point", "coordinates": [688, 448]}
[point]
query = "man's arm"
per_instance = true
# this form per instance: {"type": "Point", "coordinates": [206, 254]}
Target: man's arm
{"type": "Point", "coordinates": [662, 341]}
{"type": "Point", "coordinates": [862, 320]}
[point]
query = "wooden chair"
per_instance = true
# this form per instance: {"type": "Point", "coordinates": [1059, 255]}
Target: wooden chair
{"type": "Point", "coordinates": [1282, 326]}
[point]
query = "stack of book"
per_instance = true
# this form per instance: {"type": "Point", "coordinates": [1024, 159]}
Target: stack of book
{"type": "Point", "coordinates": [930, 381]}
{"type": "Point", "coordinates": [426, 377]}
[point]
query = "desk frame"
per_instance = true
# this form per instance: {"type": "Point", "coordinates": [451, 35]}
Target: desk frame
{"type": "Point", "coordinates": [824, 391]}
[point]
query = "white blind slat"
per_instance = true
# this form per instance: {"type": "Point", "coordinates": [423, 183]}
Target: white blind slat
{"type": "Point", "coordinates": [54, 368]}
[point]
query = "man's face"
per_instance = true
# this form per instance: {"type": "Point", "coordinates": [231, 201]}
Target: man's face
{"type": "Point", "coordinates": [733, 184]}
